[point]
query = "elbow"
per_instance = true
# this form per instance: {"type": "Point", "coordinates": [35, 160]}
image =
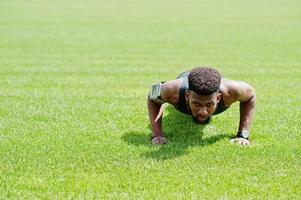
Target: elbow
{"type": "Point", "coordinates": [250, 96]}
{"type": "Point", "coordinates": [252, 99]}
{"type": "Point", "coordinates": [253, 94]}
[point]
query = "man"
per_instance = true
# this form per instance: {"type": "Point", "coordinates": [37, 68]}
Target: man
{"type": "Point", "coordinates": [201, 93]}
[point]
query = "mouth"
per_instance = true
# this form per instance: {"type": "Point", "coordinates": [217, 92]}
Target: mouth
{"type": "Point", "coordinates": [201, 120]}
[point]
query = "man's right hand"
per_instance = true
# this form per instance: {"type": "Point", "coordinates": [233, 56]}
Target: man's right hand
{"type": "Point", "coordinates": [159, 140]}
{"type": "Point", "coordinates": [240, 141]}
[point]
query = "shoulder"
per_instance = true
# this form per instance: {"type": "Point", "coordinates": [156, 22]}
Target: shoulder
{"type": "Point", "coordinates": [170, 91]}
{"type": "Point", "coordinates": [233, 90]}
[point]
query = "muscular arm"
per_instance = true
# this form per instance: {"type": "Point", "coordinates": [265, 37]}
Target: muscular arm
{"type": "Point", "coordinates": [245, 94]}
{"type": "Point", "coordinates": [153, 110]}
{"type": "Point", "coordinates": [247, 109]}
{"type": "Point", "coordinates": [169, 94]}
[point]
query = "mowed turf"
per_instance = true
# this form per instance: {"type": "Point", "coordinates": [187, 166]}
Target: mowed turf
{"type": "Point", "coordinates": [74, 76]}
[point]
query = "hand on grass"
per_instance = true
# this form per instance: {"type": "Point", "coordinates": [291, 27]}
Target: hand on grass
{"type": "Point", "coordinates": [159, 140]}
{"type": "Point", "coordinates": [240, 141]}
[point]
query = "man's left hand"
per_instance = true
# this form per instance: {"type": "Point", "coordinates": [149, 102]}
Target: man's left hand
{"type": "Point", "coordinates": [240, 141]}
{"type": "Point", "coordinates": [159, 140]}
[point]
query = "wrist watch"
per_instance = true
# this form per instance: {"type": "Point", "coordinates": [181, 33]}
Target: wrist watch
{"type": "Point", "coordinates": [243, 134]}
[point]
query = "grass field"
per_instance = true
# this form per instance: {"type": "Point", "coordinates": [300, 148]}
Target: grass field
{"type": "Point", "coordinates": [74, 76]}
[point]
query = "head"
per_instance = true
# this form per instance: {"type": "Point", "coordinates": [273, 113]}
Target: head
{"type": "Point", "coordinates": [203, 95]}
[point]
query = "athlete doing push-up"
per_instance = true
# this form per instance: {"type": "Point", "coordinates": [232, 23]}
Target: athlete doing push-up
{"type": "Point", "coordinates": [201, 93]}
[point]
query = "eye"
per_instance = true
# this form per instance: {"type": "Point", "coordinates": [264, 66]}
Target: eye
{"type": "Point", "coordinates": [197, 104]}
{"type": "Point", "coordinates": [208, 104]}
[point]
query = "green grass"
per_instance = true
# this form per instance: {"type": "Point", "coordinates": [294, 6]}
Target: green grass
{"type": "Point", "coordinates": [74, 77]}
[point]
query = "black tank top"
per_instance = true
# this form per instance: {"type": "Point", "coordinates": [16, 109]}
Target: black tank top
{"type": "Point", "coordinates": [182, 107]}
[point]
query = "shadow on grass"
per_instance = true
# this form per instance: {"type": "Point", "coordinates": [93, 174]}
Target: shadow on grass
{"type": "Point", "coordinates": [180, 130]}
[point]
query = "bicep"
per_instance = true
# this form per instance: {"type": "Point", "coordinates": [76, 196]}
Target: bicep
{"type": "Point", "coordinates": [169, 92]}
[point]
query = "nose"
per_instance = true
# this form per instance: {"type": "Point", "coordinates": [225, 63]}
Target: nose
{"type": "Point", "coordinates": [203, 111]}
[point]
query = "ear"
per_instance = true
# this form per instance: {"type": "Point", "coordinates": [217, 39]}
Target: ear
{"type": "Point", "coordinates": [187, 95]}
{"type": "Point", "coordinates": [218, 97]}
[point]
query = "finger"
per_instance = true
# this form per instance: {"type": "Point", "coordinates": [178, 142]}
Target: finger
{"type": "Point", "coordinates": [233, 141]}
{"type": "Point", "coordinates": [158, 140]}
{"type": "Point", "coordinates": [242, 142]}
{"type": "Point", "coordinates": [246, 142]}
{"type": "Point", "coordinates": [237, 141]}
{"type": "Point", "coordinates": [155, 140]}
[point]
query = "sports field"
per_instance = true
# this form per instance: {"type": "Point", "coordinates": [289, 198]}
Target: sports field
{"type": "Point", "coordinates": [74, 77]}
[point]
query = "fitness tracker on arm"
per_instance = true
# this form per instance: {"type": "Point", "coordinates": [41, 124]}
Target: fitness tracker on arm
{"type": "Point", "coordinates": [156, 92]}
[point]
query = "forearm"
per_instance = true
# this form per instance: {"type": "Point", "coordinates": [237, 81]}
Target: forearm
{"type": "Point", "coordinates": [153, 110]}
{"type": "Point", "coordinates": [247, 110]}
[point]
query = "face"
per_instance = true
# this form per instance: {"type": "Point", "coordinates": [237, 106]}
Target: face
{"type": "Point", "coordinates": [202, 106]}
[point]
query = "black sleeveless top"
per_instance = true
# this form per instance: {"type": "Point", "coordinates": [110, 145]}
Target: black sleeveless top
{"type": "Point", "coordinates": [182, 107]}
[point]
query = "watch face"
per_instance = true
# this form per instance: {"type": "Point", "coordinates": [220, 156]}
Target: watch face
{"type": "Point", "coordinates": [245, 133]}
